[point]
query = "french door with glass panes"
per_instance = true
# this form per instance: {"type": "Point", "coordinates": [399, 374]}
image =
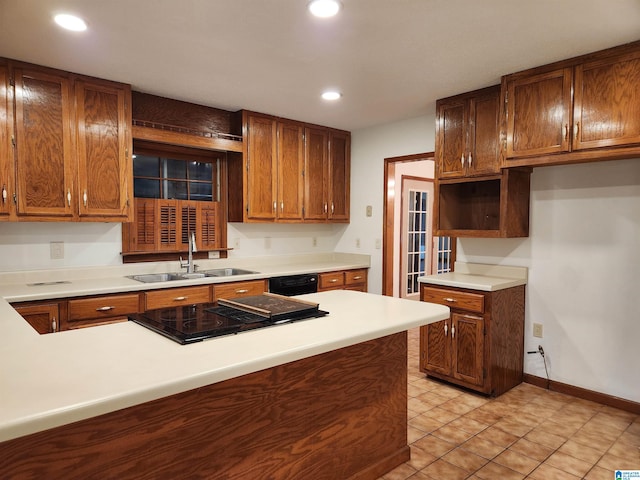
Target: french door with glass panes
{"type": "Point", "coordinates": [421, 253]}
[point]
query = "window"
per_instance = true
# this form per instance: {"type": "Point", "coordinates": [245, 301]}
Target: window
{"type": "Point", "coordinates": [176, 178]}
{"type": "Point", "coordinates": [443, 254]}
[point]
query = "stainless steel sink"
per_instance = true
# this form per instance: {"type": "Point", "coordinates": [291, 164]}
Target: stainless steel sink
{"type": "Point", "coordinates": [164, 277]}
{"type": "Point", "coordinates": [227, 272]}
{"type": "Point", "coordinates": [168, 277]}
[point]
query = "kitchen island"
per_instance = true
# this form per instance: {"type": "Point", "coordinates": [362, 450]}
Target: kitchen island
{"type": "Point", "coordinates": [321, 398]}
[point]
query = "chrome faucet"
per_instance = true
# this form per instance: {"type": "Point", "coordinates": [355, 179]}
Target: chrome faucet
{"type": "Point", "coordinates": [192, 248]}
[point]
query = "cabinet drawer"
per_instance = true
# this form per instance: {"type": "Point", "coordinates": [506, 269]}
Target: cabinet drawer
{"type": "Point", "coordinates": [355, 277]}
{"type": "Point", "coordinates": [331, 280]}
{"type": "Point", "coordinates": [175, 297]}
{"type": "Point", "coordinates": [472, 302]}
{"type": "Point", "coordinates": [238, 289]}
{"type": "Point", "coordinates": [102, 307]}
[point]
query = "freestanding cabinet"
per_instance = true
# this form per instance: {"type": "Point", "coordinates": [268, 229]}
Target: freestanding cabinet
{"type": "Point", "coordinates": [481, 345]}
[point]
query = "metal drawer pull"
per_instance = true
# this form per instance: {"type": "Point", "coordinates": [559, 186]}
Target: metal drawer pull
{"type": "Point", "coordinates": [84, 197]}
{"type": "Point", "coordinates": [242, 290]}
{"type": "Point", "coordinates": [470, 159]}
{"type": "Point", "coordinates": [4, 194]}
{"type": "Point", "coordinates": [333, 280]}
{"type": "Point", "coordinates": [69, 197]}
{"type": "Point", "coordinates": [462, 159]}
{"type": "Point", "coordinates": [54, 324]}
{"type": "Point", "coordinates": [357, 277]}
{"type": "Point", "coordinates": [104, 309]}
{"type": "Point", "coordinates": [179, 299]}
{"type": "Point", "coordinates": [445, 329]}
{"type": "Point", "coordinates": [566, 131]}
{"type": "Point", "coordinates": [453, 331]}
{"type": "Point", "coordinates": [449, 299]}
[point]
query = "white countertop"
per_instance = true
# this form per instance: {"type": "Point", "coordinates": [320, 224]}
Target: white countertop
{"type": "Point", "coordinates": [477, 276]}
{"type": "Point", "coordinates": [52, 380]}
{"type": "Point", "coordinates": [17, 286]}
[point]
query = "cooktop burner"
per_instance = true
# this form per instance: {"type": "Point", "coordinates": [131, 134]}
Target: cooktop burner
{"type": "Point", "coordinates": [195, 323]}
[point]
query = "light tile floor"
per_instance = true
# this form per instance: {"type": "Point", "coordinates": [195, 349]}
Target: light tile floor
{"type": "Point", "coordinates": [528, 432]}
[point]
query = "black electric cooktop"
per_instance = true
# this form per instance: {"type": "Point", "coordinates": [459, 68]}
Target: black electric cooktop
{"type": "Point", "coordinates": [194, 323]}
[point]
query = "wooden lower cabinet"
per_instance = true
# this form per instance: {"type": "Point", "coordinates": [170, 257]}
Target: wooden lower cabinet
{"type": "Point", "coordinates": [239, 289]}
{"type": "Point", "coordinates": [481, 345]}
{"type": "Point", "coordinates": [91, 311]}
{"type": "Point", "coordinates": [343, 280]}
{"type": "Point", "coordinates": [176, 297]}
{"type": "Point", "coordinates": [44, 317]}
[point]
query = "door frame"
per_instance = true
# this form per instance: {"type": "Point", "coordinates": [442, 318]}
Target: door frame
{"type": "Point", "coordinates": [388, 214]}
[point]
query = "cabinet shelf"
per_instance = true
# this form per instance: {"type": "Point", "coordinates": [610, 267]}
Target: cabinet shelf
{"type": "Point", "coordinates": [493, 206]}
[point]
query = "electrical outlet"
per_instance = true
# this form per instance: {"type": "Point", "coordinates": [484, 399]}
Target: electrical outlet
{"type": "Point", "coordinates": [537, 330]}
{"type": "Point", "coordinates": [215, 254]}
{"type": "Point", "coordinates": [357, 243]}
{"type": "Point", "coordinates": [314, 241]}
{"type": "Point", "coordinates": [56, 250]}
{"type": "Point", "coordinates": [369, 210]}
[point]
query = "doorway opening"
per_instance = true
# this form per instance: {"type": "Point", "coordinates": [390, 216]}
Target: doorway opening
{"type": "Point", "coordinates": [409, 249]}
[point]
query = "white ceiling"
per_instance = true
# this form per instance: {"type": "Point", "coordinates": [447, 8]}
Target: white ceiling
{"type": "Point", "coordinates": [391, 59]}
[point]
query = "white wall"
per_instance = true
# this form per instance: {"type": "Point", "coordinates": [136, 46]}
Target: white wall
{"type": "Point", "coordinates": [26, 246]}
{"type": "Point", "coordinates": [583, 255]}
{"type": "Point", "coordinates": [369, 148]}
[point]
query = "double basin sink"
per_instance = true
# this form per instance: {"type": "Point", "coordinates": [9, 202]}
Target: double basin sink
{"type": "Point", "coordinates": [168, 277]}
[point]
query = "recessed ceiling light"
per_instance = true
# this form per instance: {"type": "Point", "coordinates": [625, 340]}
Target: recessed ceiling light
{"type": "Point", "coordinates": [324, 8]}
{"type": "Point", "coordinates": [331, 95]}
{"type": "Point", "coordinates": [70, 22]}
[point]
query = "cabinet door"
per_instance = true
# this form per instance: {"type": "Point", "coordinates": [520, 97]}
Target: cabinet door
{"type": "Point", "coordinates": [290, 170]}
{"type": "Point", "coordinates": [436, 347]}
{"type": "Point", "coordinates": [315, 173]}
{"type": "Point", "coordinates": [339, 166]}
{"type": "Point", "coordinates": [7, 181]}
{"type": "Point", "coordinates": [105, 175]}
{"type": "Point", "coordinates": [451, 138]}
{"type": "Point", "coordinates": [44, 318]}
{"type": "Point", "coordinates": [539, 113]}
{"type": "Point", "coordinates": [262, 175]}
{"type": "Point", "coordinates": [467, 340]}
{"type": "Point", "coordinates": [484, 134]}
{"type": "Point", "coordinates": [607, 102]}
{"type": "Point", "coordinates": [44, 148]}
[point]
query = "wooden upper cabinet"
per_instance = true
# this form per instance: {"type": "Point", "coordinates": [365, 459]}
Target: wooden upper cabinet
{"type": "Point", "coordinates": [72, 146]}
{"type": "Point", "coordinates": [467, 134]}
{"type": "Point", "coordinates": [44, 143]}
{"type": "Point", "coordinates": [316, 153]}
{"type": "Point", "coordinates": [606, 109]}
{"type": "Point", "coordinates": [339, 175]}
{"type": "Point", "coordinates": [578, 110]}
{"type": "Point", "coordinates": [539, 113]}
{"type": "Point", "coordinates": [290, 170]}
{"type": "Point", "coordinates": [7, 181]}
{"type": "Point", "coordinates": [262, 169]}
{"type": "Point", "coordinates": [103, 113]}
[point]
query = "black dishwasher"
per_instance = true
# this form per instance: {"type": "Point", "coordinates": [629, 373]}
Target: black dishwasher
{"type": "Point", "coordinates": [294, 284]}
